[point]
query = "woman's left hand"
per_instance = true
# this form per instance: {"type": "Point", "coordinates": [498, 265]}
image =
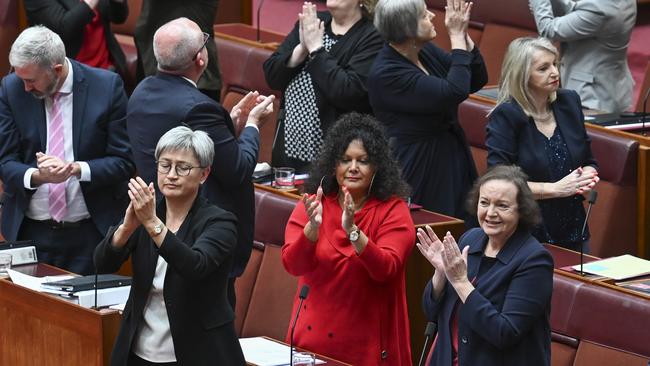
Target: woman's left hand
{"type": "Point", "coordinates": [143, 200]}
{"type": "Point", "coordinates": [454, 261]}
{"type": "Point", "coordinates": [347, 218]}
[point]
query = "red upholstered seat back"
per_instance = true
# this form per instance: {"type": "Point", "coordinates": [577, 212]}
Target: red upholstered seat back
{"type": "Point", "coordinates": [269, 311]}
{"type": "Point", "coordinates": [241, 72]}
{"type": "Point", "coordinates": [8, 32]}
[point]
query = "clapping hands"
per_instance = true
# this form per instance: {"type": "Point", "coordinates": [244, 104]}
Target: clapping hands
{"type": "Point", "coordinates": [311, 29]}
{"type": "Point", "coordinates": [443, 255]}
{"type": "Point", "coordinates": [252, 108]}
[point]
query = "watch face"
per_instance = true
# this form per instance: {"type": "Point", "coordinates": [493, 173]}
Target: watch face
{"type": "Point", "coordinates": [354, 235]}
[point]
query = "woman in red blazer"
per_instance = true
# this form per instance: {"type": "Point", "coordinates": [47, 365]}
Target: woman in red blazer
{"type": "Point", "coordinates": [349, 241]}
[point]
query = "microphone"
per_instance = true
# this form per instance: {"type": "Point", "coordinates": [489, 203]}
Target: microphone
{"type": "Point", "coordinates": [428, 332]}
{"type": "Point", "coordinates": [592, 200]}
{"type": "Point", "coordinates": [644, 117]}
{"type": "Point", "coordinates": [259, 9]}
{"type": "Point", "coordinates": [303, 295]}
{"type": "Point", "coordinates": [96, 308]}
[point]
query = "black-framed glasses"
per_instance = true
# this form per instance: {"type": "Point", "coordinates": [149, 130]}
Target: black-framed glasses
{"type": "Point", "coordinates": [182, 170]}
{"type": "Point", "coordinates": [206, 37]}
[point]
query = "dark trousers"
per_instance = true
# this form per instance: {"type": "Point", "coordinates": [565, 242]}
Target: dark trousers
{"type": "Point", "coordinates": [70, 248]}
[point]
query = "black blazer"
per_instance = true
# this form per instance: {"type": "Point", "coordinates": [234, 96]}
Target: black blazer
{"type": "Point", "coordinates": [162, 102]}
{"type": "Point", "coordinates": [199, 257]}
{"type": "Point", "coordinates": [505, 320]}
{"type": "Point", "coordinates": [511, 136]}
{"type": "Point", "coordinates": [68, 18]}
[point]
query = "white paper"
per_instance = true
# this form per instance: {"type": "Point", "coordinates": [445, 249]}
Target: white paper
{"type": "Point", "coordinates": [265, 352]}
{"type": "Point", "coordinates": [31, 282]}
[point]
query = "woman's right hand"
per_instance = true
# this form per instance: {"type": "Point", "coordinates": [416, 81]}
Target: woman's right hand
{"type": "Point", "coordinates": [314, 210]}
{"type": "Point", "coordinates": [457, 14]}
{"type": "Point", "coordinates": [312, 29]}
{"type": "Point", "coordinates": [576, 182]}
{"type": "Point", "coordinates": [431, 248]}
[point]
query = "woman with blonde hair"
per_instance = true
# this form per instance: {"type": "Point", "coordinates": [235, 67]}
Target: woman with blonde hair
{"type": "Point", "coordinates": [540, 127]}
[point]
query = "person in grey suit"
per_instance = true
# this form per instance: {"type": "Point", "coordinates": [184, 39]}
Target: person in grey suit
{"type": "Point", "coordinates": [594, 36]}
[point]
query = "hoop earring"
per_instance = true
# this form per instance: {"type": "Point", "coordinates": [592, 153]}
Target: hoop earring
{"type": "Point", "coordinates": [372, 180]}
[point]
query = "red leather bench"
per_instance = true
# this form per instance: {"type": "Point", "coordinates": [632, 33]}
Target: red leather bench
{"type": "Point", "coordinates": [494, 25]}
{"type": "Point", "coordinates": [596, 325]}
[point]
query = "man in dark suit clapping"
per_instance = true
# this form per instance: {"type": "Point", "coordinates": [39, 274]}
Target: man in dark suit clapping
{"type": "Point", "coordinates": [171, 98]}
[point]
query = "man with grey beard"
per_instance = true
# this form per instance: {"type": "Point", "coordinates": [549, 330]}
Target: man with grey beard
{"type": "Point", "coordinates": [65, 157]}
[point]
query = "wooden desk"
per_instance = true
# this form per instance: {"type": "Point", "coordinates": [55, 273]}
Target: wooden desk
{"type": "Point", "coordinates": [564, 258]}
{"type": "Point", "coordinates": [328, 361]}
{"type": "Point", "coordinates": [41, 329]}
{"type": "Point", "coordinates": [247, 34]}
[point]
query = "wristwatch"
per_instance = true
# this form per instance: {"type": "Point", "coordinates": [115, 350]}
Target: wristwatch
{"type": "Point", "coordinates": [158, 229]}
{"type": "Point", "coordinates": [354, 234]}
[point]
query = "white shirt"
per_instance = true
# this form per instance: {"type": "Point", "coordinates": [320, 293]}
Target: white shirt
{"type": "Point", "coordinates": [38, 208]}
{"type": "Point", "coordinates": [153, 340]}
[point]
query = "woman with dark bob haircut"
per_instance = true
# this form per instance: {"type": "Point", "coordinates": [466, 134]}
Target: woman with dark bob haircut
{"type": "Point", "coordinates": [348, 240]}
{"type": "Point", "coordinates": [491, 293]}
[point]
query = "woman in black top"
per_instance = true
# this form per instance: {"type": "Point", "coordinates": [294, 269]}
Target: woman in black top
{"type": "Point", "coordinates": [321, 67]}
{"type": "Point", "coordinates": [415, 89]}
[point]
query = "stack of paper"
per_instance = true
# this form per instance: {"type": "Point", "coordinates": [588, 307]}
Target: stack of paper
{"type": "Point", "coordinates": [261, 351]}
{"type": "Point", "coordinates": [618, 268]}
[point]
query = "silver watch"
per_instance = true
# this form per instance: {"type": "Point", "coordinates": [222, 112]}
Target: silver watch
{"type": "Point", "coordinates": [354, 234]}
{"type": "Point", "coordinates": [158, 229]}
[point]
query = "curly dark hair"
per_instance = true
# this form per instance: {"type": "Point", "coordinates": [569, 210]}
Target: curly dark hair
{"type": "Point", "coordinates": [529, 214]}
{"type": "Point", "coordinates": [388, 180]}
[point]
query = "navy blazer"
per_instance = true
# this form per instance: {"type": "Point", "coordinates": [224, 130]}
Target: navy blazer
{"type": "Point", "coordinates": [99, 133]}
{"type": "Point", "coordinates": [505, 320]}
{"type": "Point", "coordinates": [511, 136]}
{"type": "Point", "coordinates": [162, 102]}
{"type": "Point", "coordinates": [199, 257]}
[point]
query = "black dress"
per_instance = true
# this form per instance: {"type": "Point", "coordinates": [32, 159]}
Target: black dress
{"type": "Point", "coordinates": [420, 112]}
{"type": "Point", "coordinates": [318, 91]}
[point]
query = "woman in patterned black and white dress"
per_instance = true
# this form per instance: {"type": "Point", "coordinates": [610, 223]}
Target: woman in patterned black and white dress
{"type": "Point", "coordinates": [321, 67]}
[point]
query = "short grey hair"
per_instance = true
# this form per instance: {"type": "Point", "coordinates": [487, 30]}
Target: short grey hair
{"type": "Point", "coordinates": [183, 138]}
{"type": "Point", "coordinates": [175, 50]}
{"type": "Point", "coordinates": [397, 20]}
{"type": "Point", "coordinates": [39, 46]}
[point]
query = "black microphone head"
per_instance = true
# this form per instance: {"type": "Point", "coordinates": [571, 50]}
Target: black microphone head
{"type": "Point", "coordinates": [430, 329]}
{"type": "Point", "coordinates": [592, 196]}
{"type": "Point", "coordinates": [304, 291]}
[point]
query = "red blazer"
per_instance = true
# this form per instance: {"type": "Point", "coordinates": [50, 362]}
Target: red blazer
{"type": "Point", "coordinates": [356, 309]}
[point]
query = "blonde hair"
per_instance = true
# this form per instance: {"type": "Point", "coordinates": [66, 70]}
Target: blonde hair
{"type": "Point", "coordinates": [515, 71]}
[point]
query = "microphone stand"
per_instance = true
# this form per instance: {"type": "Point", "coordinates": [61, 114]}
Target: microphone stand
{"type": "Point", "coordinates": [259, 9]}
{"type": "Point", "coordinates": [303, 295]}
{"type": "Point", "coordinates": [592, 199]}
{"type": "Point", "coordinates": [644, 117]}
{"type": "Point", "coordinates": [428, 332]}
{"type": "Point", "coordinates": [96, 308]}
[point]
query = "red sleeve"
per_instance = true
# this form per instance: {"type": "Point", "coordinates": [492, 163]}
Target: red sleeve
{"type": "Point", "coordinates": [298, 253]}
{"type": "Point", "coordinates": [385, 255]}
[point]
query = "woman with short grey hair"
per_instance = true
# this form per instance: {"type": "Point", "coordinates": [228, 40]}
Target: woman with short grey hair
{"type": "Point", "coordinates": [181, 250]}
{"type": "Point", "coordinates": [415, 89]}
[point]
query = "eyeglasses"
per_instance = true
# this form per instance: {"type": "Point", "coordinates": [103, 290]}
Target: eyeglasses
{"type": "Point", "coordinates": [182, 170]}
{"type": "Point", "coordinates": [206, 37]}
